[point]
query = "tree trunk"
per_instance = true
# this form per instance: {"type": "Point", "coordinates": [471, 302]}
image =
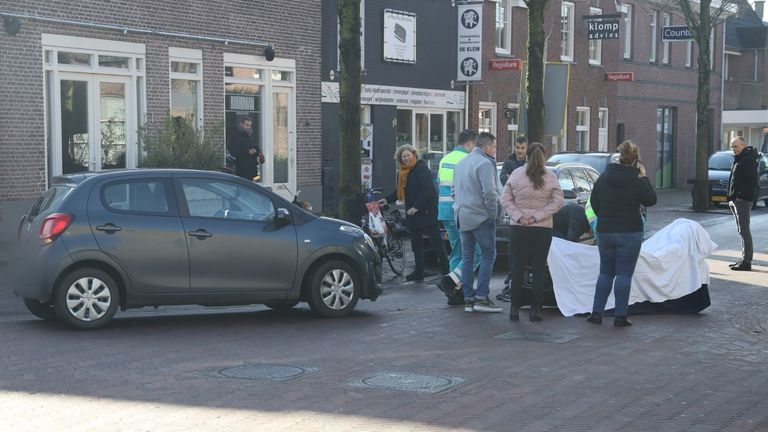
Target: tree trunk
{"type": "Point", "coordinates": [349, 101]}
{"type": "Point", "coordinates": [701, 185]}
{"type": "Point", "coordinates": [534, 85]}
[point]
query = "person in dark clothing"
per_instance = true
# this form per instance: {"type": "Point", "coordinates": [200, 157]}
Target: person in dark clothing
{"type": "Point", "coordinates": [616, 199]}
{"type": "Point", "coordinates": [247, 154]}
{"type": "Point", "coordinates": [742, 192]}
{"type": "Point", "coordinates": [515, 160]}
{"type": "Point", "coordinates": [570, 222]}
{"type": "Point", "coordinates": [417, 190]}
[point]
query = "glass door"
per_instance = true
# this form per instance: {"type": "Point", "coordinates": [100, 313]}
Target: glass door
{"type": "Point", "coordinates": [75, 137]}
{"type": "Point", "coordinates": [665, 147]}
{"type": "Point", "coordinates": [281, 165]}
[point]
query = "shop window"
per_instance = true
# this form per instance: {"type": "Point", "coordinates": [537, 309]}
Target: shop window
{"type": "Point", "coordinates": [186, 76]}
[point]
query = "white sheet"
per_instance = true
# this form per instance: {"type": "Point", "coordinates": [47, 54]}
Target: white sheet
{"type": "Point", "coordinates": [672, 264]}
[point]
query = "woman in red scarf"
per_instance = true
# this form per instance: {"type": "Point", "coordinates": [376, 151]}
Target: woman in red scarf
{"type": "Point", "coordinates": [416, 189]}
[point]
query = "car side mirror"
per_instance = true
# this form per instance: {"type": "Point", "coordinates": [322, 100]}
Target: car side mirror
{"type": "Point", "coordinates": [569, 194]}
{"type": "Point", "coordinates": [283, 216]}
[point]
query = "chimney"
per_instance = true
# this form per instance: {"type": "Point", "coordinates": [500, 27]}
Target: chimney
{"type": "Point", "coordinates": [759, 7]}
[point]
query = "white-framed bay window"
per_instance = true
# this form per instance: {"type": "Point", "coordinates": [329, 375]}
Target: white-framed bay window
{"type": "Point", "coordinates": [503, 27]}
{"type": "Point", "coordinates": [94, 103]}
{"type": "Point", "coordinates": [567, 16]}
{"type": "Point", "coordinates": [186, 83]}
{"type": "Point", "coordinates": [582, 128]}
{"type": "Point", "coordinates": [595, 46]}
{"type": "Point", "coordinates": [487, 117]}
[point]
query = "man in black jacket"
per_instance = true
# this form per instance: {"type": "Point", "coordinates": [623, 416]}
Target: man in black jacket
{"type": "Point", "coordinates": [245, 151]}
{"type": "Point", "coordinates": [570, 222]}
{"type": "Point", "coordinates": [742, 193]}
{"type": "Point", "coordinates": [515, 160]}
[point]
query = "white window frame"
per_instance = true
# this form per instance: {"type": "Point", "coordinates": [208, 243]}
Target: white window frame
{"type": "Point", "coordinates": [689, 53]}
{"type": "Point", "coordinates": [602, 128]}
{"type": "Point", "coordinates": [654, 24]}
{"type": "Point", "coordinates": [712, 48]}
{"type": "Point", "coordinates": [583, 127]}
{"type": "Point", "coordinates": [595, 47]}
{"type": "Point", "coordinates": [186, 55]}
{"type": "Point", "coordinates": [506, 44]}
{"type": "Point", "coordinates": [568, 11]}
{"type": "Point", "coordinates": [513, 123]}
{"type": "Point", "coordinates": [666, 20]}
{"type": "Point", "coordinates": [628, 31]}
{"type": "Point", "coordinates": [487, 106]}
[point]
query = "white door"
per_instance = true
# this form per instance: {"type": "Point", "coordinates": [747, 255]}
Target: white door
{"type": "Point", "coordinates": [602, 129]}
{"type": "Point", "coordinates": [94, 128]}
{"type": "Point", "coordinates": [281, 155]}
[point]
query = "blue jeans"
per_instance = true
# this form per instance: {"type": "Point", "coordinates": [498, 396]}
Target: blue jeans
{"type": "Point", "coordinates": [483, 236]}
{"type": "Point", "coordinates": [618, 257]}
{"type": "Point", "coordinates": [455, 240]}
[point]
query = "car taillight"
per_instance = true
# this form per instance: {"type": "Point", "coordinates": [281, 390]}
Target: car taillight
{"type": "Point", "coordinates": [54, 225]}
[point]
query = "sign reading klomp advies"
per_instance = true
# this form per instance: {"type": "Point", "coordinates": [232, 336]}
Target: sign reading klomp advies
{"type": "Point", "coordinates": [603, 29]}
{"type": "Point", "coordinates": [470, 42]}
{"type": "Point", "coordinates": [672, 33]}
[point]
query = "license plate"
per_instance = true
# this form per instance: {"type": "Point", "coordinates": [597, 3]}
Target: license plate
{"type": "Point", "coordinates": [719, 199]}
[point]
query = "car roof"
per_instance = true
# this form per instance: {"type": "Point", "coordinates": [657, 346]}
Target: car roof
{"type": "Point", "coordinates": [77, 178]}
{"type": "Point", "coordinates": [583, 153]}
{"type": "Point", "coordinates": [571, 165]}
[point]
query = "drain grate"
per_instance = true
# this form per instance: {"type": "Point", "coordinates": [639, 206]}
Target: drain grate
{"type": "Point", "coordinates": [259, 371]}
{"type": "Point", "coordinates": [406, 381]}
{"type": "Point", "coordinates": [538, 337]}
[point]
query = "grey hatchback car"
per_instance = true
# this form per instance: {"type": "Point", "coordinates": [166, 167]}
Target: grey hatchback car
{"type": "Point", "coordinates": [94, 242]}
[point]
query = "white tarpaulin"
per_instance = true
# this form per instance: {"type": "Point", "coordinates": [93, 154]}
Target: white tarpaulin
{"type": "Point", "coordinates": [672, 264]}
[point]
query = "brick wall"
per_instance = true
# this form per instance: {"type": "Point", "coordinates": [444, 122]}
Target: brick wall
{"type": "Point", "coordinates": [294, 35]}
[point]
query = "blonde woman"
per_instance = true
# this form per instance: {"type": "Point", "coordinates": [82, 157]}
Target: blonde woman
{"type": "Point", "coordinates": [417, 190]}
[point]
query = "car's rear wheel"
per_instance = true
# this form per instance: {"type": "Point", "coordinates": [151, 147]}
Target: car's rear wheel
{"type": "Point", "coordinates": [41, 310]}
{"type": "Point", "coordinates": [282, 305]}
{"type": "Point", "coordinates": [334, 289]}
{"type": "Point", "coordinates": [87, 298]}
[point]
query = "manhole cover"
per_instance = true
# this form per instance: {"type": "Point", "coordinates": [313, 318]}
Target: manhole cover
{"type": "Point", "coordinates": [538, 337]}
{"type": "Point", "coordinates": [259, 371]}
{"type": "Point", "coordinates": [407, 382]}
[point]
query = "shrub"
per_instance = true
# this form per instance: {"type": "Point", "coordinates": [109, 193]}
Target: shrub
{"type": "Point", "coordinates": [176, 144]}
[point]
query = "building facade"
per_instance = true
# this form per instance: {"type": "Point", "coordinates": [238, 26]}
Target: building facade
{"type": "Point", "coordinates": [81, 79]}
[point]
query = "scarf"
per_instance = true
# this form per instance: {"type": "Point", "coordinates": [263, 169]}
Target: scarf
{"type": "Point", "coordinates": [402, 179]}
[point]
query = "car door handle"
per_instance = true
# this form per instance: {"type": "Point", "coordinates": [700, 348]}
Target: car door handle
{"type": "Point", "coordinates": [109, 228]}
{"type": "Point", "coordinates": [201, 233]}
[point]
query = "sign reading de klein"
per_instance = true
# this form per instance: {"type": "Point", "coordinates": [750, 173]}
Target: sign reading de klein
{"type": "Point", "coordinates": [603, 29]}
{"type": "Point", "coordinates": [470, 42]}
{"type": "Point", "coordinates": [676, 33]}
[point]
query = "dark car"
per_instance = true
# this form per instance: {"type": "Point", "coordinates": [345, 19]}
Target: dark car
{"type": "Point", "coordinates": [597, 160]}
{"type": "Point", "coordinates": [94, 242]}
{"type": "Point", "coordinates": [720, 170]}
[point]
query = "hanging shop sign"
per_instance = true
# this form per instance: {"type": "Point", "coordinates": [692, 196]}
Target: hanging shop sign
{"type": "Point", "coordinates": [366, 141]}
{"type": "Point", "coordinates": [673, 33]}
{"type": "Point", "coordinates": [602, 27]}
{"type": "Point", "coordinates": [399, 36]}
{"type": "Point", "coordinates": [406, 97]}
{"type": "Point", "coordinates": [470, 42]}
{"type": "Point", "coordinates": [506, 64]}
{"type": "Point", "coordinates": [620, 76]}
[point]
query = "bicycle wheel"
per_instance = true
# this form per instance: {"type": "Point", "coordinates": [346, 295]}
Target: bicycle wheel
{"type": "Point", "coordinates": [395, 255]}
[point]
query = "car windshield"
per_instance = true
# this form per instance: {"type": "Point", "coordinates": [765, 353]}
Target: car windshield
{"type": "Point", "coordinates": [721, 161]}
{"type": "Point", "coordinates": [598, 162]}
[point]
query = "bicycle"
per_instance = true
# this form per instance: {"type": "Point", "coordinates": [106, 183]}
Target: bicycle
{"type": "Point", "coordinates": [390, 245]}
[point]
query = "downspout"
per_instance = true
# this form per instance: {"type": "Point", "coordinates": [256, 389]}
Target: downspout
{"type": "Point", "coordinates": [722, 87]}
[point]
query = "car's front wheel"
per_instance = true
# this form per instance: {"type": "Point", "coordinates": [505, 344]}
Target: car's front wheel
{"type": "Point", "coordinates": [87, 298]}
{"type": "Point", "coordinates": [334, 289]}
{"type": "Point", "coordinates": [40, 310]}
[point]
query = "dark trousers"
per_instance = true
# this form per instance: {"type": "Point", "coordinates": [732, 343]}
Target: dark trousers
{"type": "Point", "coordinates": [417, 244]}
{"type": "Point", "coordinates": [741, 210]}
{"type": "Point", "coordinates": [528, 246]}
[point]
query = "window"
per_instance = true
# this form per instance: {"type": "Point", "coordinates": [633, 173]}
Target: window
{"type": "Point", "coordinates": [602, 129]}
{"type": "Point", "coordinates": [712, 48]}
{"type": "Point", "coordinates": [628, 32]}
{"type": "Point", "coordinates": [582, 181]}
{"type": "Point", "coordinates": [667, 21]}
{"type": "Point", "coordinates": [224, 200]}
{"type": "Point", "coordinates": [582, 128]}
{"type": "Point", "coordinates": [565, 180]}
{"type": "Point", "coordinates": [654, 31]}
{"type": "Point", "coordinates": [139, 196]}
{"type": "Point", "coordinates": [595, 46]}
{"type": "Point", "coordinates": [503, 27]}
{"type": "Point", "coordinates": [566, 31]}
{"type": "Point", "coordinates": [487, 114]}
{"type": "Point", "coordinates": [688, 53]}
{"type": "Point", "coordinates": [186, 74]}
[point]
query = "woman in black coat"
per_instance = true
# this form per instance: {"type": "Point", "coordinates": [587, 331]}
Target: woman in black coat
{"type": "Point", "coordinates": [416, 189]}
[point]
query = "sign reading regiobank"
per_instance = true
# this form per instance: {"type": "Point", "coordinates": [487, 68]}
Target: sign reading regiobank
{"type": "Point", "coordinates": [371, 94]}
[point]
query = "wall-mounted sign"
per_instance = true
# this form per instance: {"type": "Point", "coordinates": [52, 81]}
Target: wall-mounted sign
{"type": "Point", "coordinates": [399, 36]}
{"type": "Point", "coordinates": [601, 27]}
{"type": "Point", "coordinates": [470, 42]}
{"type": "Point", "coordinates": [620, 76]}
{"type": "Point", "coordinates": [366, 174]}
{"type": "Point", "coordinates": [506, 64]}
{"type": "Point", "coordinates": [366, 141]}
{"type": "Point", "coordinates": [671, 33]}
{"type": "Point", "coordinates": [406, 97]}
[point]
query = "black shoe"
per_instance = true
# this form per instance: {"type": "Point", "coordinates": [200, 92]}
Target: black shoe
{"type": "Point", "coordinates": [621, 321]}
{"type": "Point", "coordinates": [415, 276]}
{"type": "Point", "coordinates": [742, 266]}
{"type": "Point", "coordinates": [505, 295]}
{"type": "Point", "coordinates": [455, 301]}
{"type": "Point", "coordinates": [447, 286]}
{"type": "Point", "coordinates": [535, 317]}
{"type": "Point", "coordinates": [514, 314]}
{"type": "Point", "coordinates": [738, 263]}
{"type": "Point", "coordinates": [595, 318]}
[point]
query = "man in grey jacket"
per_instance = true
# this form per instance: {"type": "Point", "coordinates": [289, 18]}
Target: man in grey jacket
{"type": "Point", "coordinates": [476, 206]}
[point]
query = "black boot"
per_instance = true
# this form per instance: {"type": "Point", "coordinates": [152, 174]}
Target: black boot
{"type": "Point", "coordinates": [535, 316]}
{"type": "Point", "coordinates": [621, 321]}
{"type": "Point", "coordinates": [595, 318]}
{"type": "Point", "coordinates": [514, 314]}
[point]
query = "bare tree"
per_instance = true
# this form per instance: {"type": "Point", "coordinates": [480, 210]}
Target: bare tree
{"type": "Point", "coordinates": [534, 81]}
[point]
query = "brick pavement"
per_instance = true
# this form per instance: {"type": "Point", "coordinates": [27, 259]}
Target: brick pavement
{"type": "Point", "coordinates": [668, 372]}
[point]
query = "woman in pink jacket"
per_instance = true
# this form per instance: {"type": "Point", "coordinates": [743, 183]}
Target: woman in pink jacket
{"type": "Point", "coordinates": [530, 198]}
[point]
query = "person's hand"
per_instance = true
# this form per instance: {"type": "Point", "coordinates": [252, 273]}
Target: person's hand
{"type": "Point", "coordinates": [412, 211]}
{"type": "Point", "coordinates": [640, 170]}
{"type": "Point", "coordinates": [252, 151]}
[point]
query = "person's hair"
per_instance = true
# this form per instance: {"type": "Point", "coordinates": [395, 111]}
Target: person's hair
{"type": "Point", "coordinates": [466, 136]}
{"type": "Point", "coordinates": [403, 148]}
{"type": "Point", "coordinates": [534, 168]}
{"type": "Point", "coordinates": [628, 153]}
{"type": "Point", "coordinates": [244, 118]}
{"type": "Point", "coordinates": [484, 139]}
{"type": "Point", "coordinates": [740, 138]}
{"type": "Point", "coordinates": [521, 140]}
